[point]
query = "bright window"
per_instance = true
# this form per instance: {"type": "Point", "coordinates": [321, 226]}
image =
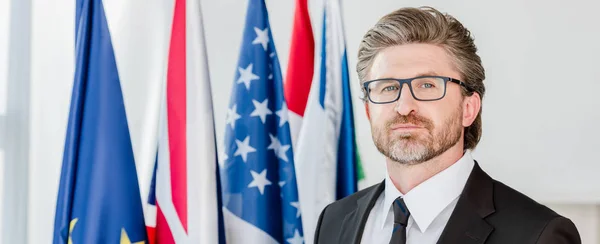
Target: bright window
{"type": "Point", "coordinates": [4, 30]}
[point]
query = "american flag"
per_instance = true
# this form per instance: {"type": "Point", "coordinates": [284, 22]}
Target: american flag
{"type": "Point", "coordinates": [260, 197]}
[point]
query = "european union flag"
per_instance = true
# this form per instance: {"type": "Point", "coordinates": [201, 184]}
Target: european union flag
{"type": "Point", "coordinates": [98, 199]}
{"type": "Point", "coordinates": [259, 183]}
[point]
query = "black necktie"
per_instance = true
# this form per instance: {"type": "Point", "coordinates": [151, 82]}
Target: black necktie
{"type": "Point", "coordinates": [401, 215]}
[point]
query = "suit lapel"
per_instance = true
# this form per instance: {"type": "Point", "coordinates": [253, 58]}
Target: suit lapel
{"type": "Point", "coordinates": [354, 222]}
{"type": "Point", "coordinates": [467, 224]}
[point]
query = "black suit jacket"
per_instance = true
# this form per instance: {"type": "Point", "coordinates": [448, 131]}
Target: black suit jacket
{"type": "Point", "coordinates": [487, 211]}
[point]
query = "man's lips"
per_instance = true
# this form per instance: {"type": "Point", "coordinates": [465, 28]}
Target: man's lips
{"type": "Point", "coordinates": [406, 127]}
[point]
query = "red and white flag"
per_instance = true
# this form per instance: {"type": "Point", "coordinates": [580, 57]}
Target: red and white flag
{"type": "Point", "coordinates": [300, 69]}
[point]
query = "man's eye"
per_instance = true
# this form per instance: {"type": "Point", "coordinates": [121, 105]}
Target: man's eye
{"type": "Point", "coordinates": [390, 88]}
{"type": "Point", "coordinates": [427, 85]}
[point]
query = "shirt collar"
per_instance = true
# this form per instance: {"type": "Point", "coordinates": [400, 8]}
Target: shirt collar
{"type": "Point", "coordinates": [428, 199]}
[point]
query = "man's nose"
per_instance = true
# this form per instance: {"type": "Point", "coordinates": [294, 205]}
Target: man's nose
{"type": "Point", "coordinates": [406, 103]}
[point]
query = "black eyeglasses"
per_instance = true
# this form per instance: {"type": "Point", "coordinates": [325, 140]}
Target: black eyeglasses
{"type": "Point", "coordinates": [422, 88]}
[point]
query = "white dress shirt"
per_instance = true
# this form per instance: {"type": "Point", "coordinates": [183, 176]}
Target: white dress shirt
{"type": "Point", "coordinates": [430, 205]}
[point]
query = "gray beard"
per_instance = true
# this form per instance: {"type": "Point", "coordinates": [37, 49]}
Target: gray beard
{"type": "Point", "coordinates": [410, 149]}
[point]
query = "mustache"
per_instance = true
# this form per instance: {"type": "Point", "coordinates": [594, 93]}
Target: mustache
{"type": "Point", "coordinates": [410, 119]}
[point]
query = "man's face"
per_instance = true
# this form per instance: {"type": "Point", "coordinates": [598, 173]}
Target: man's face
{"type": "Point", "coordinates": [409, 131]}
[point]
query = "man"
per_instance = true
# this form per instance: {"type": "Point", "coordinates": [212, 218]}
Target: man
{"type": "Point", "coordinates": [423, 84]}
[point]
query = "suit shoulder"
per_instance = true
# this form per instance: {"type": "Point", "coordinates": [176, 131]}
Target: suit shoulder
{"type": "Point", "coordinates": [348, 204]}
{"type": "Point", "coordinates": [507, 199]}
{"type": "Point", "coordinates": [332, 216]}
{"type": "Point", "coordinates": [524, 220]}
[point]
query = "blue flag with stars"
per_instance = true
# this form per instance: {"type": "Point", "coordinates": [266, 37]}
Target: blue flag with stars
{"type": "Point", "coordinates": [98, 199]}
{"type": "Point", "coordinates": [260, 195]}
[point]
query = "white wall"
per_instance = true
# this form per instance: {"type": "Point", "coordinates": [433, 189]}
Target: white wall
{"type": "Point", "coordinates": [4, 24]}
{"type": "Point", "coordinates": [537, 138]}
{"type": "Point", "coordinates": [15, 121]}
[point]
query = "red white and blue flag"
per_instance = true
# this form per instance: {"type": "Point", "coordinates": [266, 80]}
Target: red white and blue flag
{"type": "Point", "coordinates": [260, 197]}
{"type": "Point", "coordinates": [184, 203]}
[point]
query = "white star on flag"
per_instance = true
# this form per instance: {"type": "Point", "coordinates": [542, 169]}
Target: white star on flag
{"type": "Point", "coordinates": [260, 180]}
{"type": "Point", "coordinates": [297, 239]}
{"type": "Point", "coordinates": [281, 184]}
{"type": "Point", "coordinates": [270, 72]}
{"type": "Point", "coordinates": [261, 109]}
{"type": "Point", "coordinates": [297, 206]}
{"type": "Point", "coordinates": [232, 116]}
{"type": "Point", "coordinates": [280, 150]}
{"type": "Point", "coordinates": [243, 148]}
{"type": "Point", "coordinates": [262, 37]}
{"type": "Point", "coordinates": [283, 114]}
{"type": "Point", "coordinates": [246, 76]}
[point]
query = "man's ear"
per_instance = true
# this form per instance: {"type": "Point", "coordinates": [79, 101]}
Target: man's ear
{"type": "Point", "coordinates": [471, 106]}
{"type": "Point", "coordinates": [367, 110]}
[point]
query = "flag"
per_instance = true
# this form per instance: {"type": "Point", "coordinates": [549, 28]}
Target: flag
{"type": "Point", "coordinates": [186, 207]}
{"type": "Point", "coordinates": [300, 68]}
{"type": "Point", "coordinates": [150, 208]}
{"type": "Point", "coordinates": [327, 160]}
{"type": "Point", "coordinates": [260, 199]}
{"type": "Point", "coordinates": [99, 198]}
